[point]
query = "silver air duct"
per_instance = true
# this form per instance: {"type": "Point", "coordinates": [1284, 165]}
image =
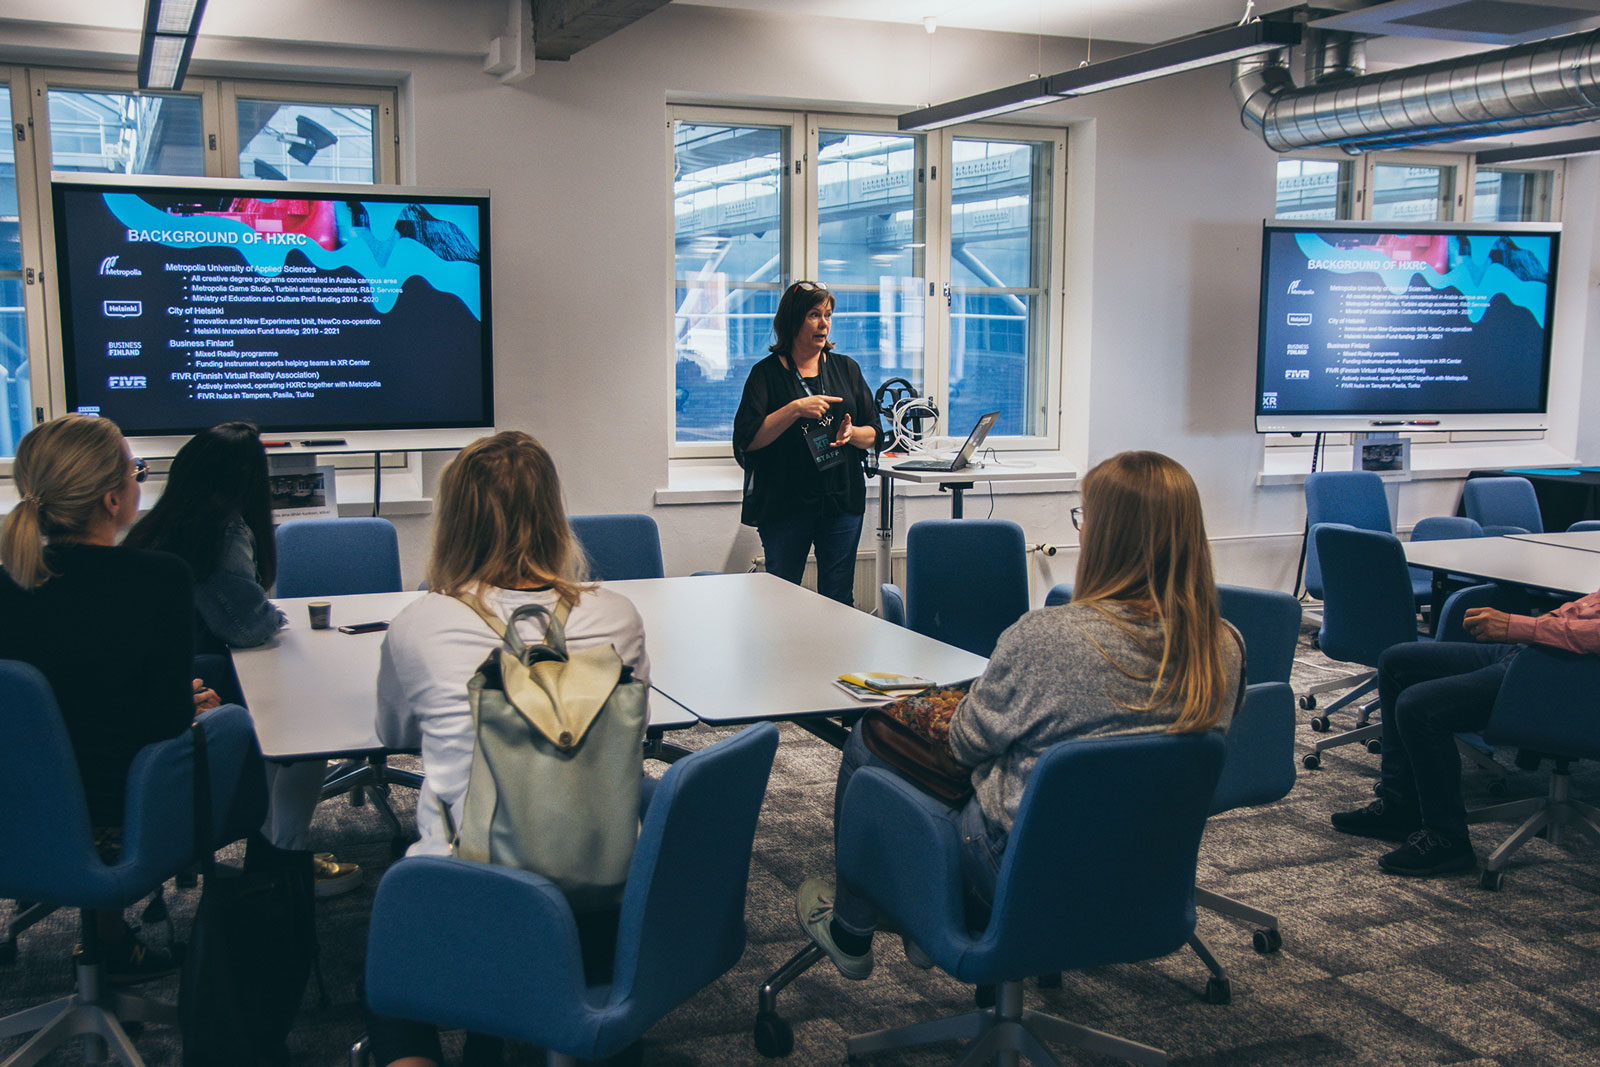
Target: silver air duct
{"type": "Point", "coordinates": [1527, 87]}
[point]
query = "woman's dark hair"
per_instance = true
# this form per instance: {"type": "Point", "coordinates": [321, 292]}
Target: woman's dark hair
{"type": "Point", "coordinates": [219, 475]}
{"type": "Point", "coordinates": [793, 307]}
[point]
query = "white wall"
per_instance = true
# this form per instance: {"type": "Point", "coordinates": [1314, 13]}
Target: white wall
{"type": "Point", "coordinates": [1166, 196]}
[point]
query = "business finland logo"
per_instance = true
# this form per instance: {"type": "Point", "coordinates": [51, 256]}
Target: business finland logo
{"type": "Point", "coordinates": [108, 267]}
{"type": "Point", "coordinates": [1295, 290]}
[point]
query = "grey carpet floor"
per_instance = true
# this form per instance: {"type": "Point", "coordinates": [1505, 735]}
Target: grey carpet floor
{"type": "Point", "coordinates": [1374, 969]}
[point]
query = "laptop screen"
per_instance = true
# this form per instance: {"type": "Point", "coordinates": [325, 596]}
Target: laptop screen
{"type": "Point", "coordinates": [975, 438]}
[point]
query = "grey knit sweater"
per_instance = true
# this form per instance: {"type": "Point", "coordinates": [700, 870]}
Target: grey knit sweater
{"type": "Point", "coordinates": [1047, 681]}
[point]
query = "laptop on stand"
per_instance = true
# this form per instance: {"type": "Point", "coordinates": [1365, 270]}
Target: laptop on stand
{"type": "Point", "coordinates": [963, 458]}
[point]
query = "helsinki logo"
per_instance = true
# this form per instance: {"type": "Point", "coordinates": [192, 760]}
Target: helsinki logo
{"type": "Point", "coordinates": [122, 309]}
{"type": "Point", "coordinates": [109, 266]}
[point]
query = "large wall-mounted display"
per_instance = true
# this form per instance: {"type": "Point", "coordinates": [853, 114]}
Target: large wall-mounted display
{"type": "Point", "coordinates": [1382, 327]}
{"type": "Point", "coordinates": [326, 310]}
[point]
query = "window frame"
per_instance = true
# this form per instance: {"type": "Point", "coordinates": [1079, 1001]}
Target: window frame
{"type": "Point", "coordinates": [219, 136]}
{"type": "Point", "coordinates": [803, 233]}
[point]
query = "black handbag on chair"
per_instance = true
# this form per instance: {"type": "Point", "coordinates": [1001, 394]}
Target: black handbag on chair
{"type": "Point", "coordinates": [251, 951]}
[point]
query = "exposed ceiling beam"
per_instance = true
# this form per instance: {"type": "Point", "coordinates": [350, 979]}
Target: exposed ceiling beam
{"type": "Point", "coordinates": [563, 28]}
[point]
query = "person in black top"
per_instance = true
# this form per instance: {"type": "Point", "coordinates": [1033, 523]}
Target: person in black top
{"type": "Point", "coordinates": [804, 426]}
{"type": "Point", "coordinates": [111, 629]}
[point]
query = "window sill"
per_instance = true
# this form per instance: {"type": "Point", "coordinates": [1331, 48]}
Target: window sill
{"type": "Point", "coordinates": [722, 482]}
{"type": "Point", "coordinates": [1289, 466]}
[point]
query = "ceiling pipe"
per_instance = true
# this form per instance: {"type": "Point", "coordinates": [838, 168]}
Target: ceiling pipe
{"type": "Point", "coordinates": [1526, 87]}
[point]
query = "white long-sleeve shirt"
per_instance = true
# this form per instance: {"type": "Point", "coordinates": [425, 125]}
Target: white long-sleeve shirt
{"type": "Point", "coordinates": [434, 647]}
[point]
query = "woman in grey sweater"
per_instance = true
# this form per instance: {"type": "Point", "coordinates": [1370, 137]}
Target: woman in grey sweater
{"type": "Point", "coordinates": [1141, 648]}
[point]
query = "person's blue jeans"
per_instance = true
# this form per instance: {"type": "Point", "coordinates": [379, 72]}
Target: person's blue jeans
{"type": "Point", "coordinates": [786, 541]}
{"type": "Point", "coordinates": [981, 846]}
{"type": "Point", "coordinates": [1430, 691]}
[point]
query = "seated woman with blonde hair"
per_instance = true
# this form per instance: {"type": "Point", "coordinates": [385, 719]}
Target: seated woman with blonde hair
{"type": "Point", "coordinates": [501, 534]}
{"type": "Point", "coordinates": [1141, 648]}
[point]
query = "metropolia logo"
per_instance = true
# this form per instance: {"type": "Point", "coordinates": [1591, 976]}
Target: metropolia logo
{"type": "Point", "coordinates": [108, 266]}
{"type": "Point", "coordinates": [1294, 289]}
{"type": "Point", "coordinates": [126, 381]}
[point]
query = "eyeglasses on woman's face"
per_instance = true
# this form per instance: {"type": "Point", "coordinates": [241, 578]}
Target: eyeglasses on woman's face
{"type": "Point", "coordinates": [1077, 518]}
{"type": "Point", "coordinates": [141, 469]}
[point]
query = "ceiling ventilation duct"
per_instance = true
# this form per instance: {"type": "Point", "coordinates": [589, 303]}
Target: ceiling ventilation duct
{"type": "Point", "coordinates": [1526, 87]}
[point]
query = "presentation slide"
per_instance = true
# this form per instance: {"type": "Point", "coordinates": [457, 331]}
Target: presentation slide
{"type": "Point", "coordinates": [184, 308]}
{"type": "Point", "coordinates": [1356, 322]}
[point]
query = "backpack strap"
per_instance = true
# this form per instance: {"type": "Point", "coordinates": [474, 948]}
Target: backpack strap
{"type": "Point", "coordinates": [555, 634]}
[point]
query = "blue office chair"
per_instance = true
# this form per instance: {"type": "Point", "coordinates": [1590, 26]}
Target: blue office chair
{"type": "Point", "coordinates": [1584, 524]}
{"type": "Point", "coordinates": [47, 851]}
{"type": "Point", "coordinates": [894, 604]}
{"type": "Point", "coordinates": [1438, 528]}
{"type": "Point", "coordinates": [521, 976]}
{"type": "Point", "coordinates": [619, 547]}
{"type": "Point", "coordinates": [1367, 607]}
{"type": "Point", "coordinates": [1505, 505]}
{"type": "Point", "coordinates": [1353, 498]}
{"type": "Point", "coordinates": [1546, 706]}
{"type": "Point", "coordinates": [338, 557]}
{"type": "Point", "coordinates": [1071, 893]}
{"type": "Point", "coordinates": [333, 557]}
{"type": "Point", "coordinates": [966, 580]}
{"type": "Point", "coordinates": [1060, 593]}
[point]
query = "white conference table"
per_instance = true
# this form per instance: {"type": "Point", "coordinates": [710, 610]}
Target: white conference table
{"type": "Point", "coordinates": [313, 693]}
{"type": "Point", "coordinates": [736, 648]}
{"type": "Point", "coordinates": [1555, 568]}
{"type": "Point", "coordinates": [724, 648]}
{"type": "Point", "coordinates": [1581, 540]}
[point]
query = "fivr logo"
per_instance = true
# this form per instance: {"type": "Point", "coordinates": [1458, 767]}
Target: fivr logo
{"type": "Point", "coordinates": [122, 309]}
{"type": "Point", "coordinates": [126, 381]}
{"type": "Point", "coordinates": [1295, 290]}
{"type": "Point", "coordinates": [1294, 373]}
{"type": "Point", "coordinates": [108, 266]}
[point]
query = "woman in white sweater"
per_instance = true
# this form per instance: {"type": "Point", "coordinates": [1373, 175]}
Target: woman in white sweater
{"type": "Point", "coordinates": [501, 534]}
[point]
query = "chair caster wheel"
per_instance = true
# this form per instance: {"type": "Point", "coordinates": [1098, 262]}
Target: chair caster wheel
{"type": "Point", "coordinates": [1308, 702]}
{"type": "Point", "coordinates": [1311, 761]}
{"type": "Point", "coordinates": [8, 952]}
{"type": "Point", "coordinates": [1320, 724]}
{"type": "Point", "coordinates": [1218, 991]}
{"type": "Point", "coordinates": [1491, 880]}
{"type": "Point", "coordinates": [983, 996]}
{"type": "Point", "coordinates": [1375, 746]}
{"type": "Point", "coordinates": [1266, 941]}
{"type": "Point", "coordinates": [774, 1036]}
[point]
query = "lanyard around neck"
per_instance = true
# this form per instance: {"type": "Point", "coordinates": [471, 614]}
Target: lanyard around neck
{"type": "Point", "coordinates": [794, 368]}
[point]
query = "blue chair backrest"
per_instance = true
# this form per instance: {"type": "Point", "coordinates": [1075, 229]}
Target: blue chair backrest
{"type": "Point", "coordinates": [1584, 524]}
{"type": "Point", "coordinates": [1506, 501]}
{"type": "Point", "coordinates": [1060, 593]}
{"type": "Point", "coordinates": [46, 845]}
{"type": "Point", "coordinates": [1354, 498]}
{"type": "Point", "coordinates": [1073, 891]}
{"type": "Point", "coordinates": [1438, 528]}
{"type": "Point", "coordinates": [682, 923]}
{"type": "Point", "coordinates": [1367, 602]}
{"type": "Point", "coordinates": [894, 604]}
{"type": "Point", "coordinates": [966, 580]}
{"type": "Point", "coordinates": [1269, 622]}
{"type": "Point", "coordinates": [619, 547]}
{"type": "Point", "coordinates": [333, 557]}
{"type": "Point", "coordinates": [1547, 704]}
{"type": "Point", "coordinates": [1260, 766]}
{"type": "Point", "coordinates": [1450, 625]}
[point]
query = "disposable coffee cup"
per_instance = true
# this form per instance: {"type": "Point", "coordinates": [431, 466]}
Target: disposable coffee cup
{"type": "Point", "coordinates": [321, 612]}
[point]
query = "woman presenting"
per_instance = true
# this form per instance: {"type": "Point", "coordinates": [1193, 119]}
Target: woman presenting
{"type": "Point", "coordinates": [802, 432]}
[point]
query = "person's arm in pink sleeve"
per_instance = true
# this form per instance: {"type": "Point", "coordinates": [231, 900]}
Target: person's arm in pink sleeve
{"type": "Point", "coordinates": [1574, 627]}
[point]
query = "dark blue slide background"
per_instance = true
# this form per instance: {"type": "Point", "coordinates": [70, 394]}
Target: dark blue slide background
{"type": "Point", "coordinates": [427, 352]}
{"type": "Point", "coordinates": [1501, 357]}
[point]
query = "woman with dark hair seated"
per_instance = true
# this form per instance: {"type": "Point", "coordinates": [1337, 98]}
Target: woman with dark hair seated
{"type": "Point", "coordinates": [216, 514]}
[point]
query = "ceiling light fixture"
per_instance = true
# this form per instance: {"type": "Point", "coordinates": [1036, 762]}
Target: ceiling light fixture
{"type": "Point", "coordinates": [170, 27]}
{"type": "Point", "coordinates": [1171, 57]}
